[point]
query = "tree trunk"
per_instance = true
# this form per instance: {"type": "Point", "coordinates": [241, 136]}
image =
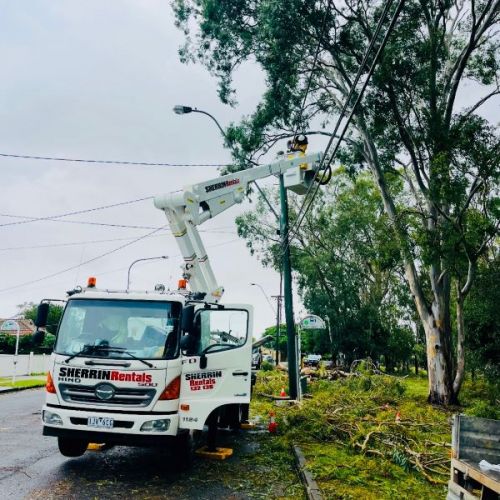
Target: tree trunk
{"type": "Point", "coordinates": [459, 376]}
{"type": "Point", "coordinates": [438, 365]}
{"type": "Point", "coordinates": [436, 318]}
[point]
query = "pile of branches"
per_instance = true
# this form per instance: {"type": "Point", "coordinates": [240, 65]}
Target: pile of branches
{"type": "Point", "coordinates": [358, 367]}
{"type": "Point", "coordinates": [365, 414]}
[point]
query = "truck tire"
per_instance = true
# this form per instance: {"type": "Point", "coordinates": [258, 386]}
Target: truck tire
{"type": "Point", "coordinates": [183, 452]}
{"type": "Point", "coordinates": [71, 447]}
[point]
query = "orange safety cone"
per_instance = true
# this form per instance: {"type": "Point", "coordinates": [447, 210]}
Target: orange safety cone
{"type": "Point", "coordinates": [398, 417]}
{"type": "Point", "coordinates": [282, 393]}
{"type": "Point", "coordinates": [272, 427]}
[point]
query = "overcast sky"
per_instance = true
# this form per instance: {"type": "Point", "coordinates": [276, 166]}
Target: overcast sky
{"type": "Point", "coordinates": [98, 80]}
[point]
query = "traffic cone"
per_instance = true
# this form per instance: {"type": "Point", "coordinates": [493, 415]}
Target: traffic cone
{"type": "Point", "coordinates": [282, 393]}
{"type": "Point", "coordinates": [272, 427]}
{"type": "Point", "coordinates": [398, 417]}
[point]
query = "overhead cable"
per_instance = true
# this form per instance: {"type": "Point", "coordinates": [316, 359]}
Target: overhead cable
{"type": "Point", "coordinates": [78, 212]}
{"type": "Point", "coordinates": [294, 228]}
{"type": "Point", "coordinates": [95, 242]}
{"type": "Point", "coordinates": [351, 114]}
{"type": "Point", "coordinates": [113, 162]}
{"type": "Point", "coordinates": [122, 268]}
{"type": "Point", "coordinates": [93, 259]}
{"type": "Point", "coordinates": [91, 223]}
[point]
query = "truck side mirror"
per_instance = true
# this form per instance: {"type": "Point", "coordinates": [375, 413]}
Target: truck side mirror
{"type": "Point", "coordinates": [38, 337]}
{"type": "Point", "coordinates": [42, 314]}
{"type": "Point", "coordinates": [187, 318]}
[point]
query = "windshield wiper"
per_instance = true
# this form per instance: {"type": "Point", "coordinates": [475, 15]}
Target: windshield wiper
{"type": "Point", "coordinates": [123, 350]}
{"type": "Point", "coordinates": [86, 349]}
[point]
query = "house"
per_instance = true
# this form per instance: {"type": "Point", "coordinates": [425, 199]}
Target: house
{"type": "Point", "coordinates": [9, 326]}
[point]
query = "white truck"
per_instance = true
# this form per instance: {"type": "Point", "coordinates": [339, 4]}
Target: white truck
{"type": "Point", "coordinates": [149, 368]}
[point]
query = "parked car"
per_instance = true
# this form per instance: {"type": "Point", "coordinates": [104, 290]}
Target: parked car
{"type": "Point", "coordinates": [256, 359]}
{"type": "Point", "coordinates": [268, 358]}
{"type": "Point", "coordinates": [312, 360]}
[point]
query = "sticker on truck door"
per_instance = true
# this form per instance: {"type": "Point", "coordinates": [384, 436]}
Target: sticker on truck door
{"type": "Point", "coordinates": [203, 381]}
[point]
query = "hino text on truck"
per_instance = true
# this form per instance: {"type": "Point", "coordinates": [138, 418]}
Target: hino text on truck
{"type": "Point", "coordinates": [151, 367]}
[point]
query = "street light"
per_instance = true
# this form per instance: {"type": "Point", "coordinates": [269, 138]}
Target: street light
{"type": "Point", "coordinates": [184, 110]}
{"type": "Point", "coordinates": [265, 295]}
{"type": "Point", "coordinates": [140, 260]}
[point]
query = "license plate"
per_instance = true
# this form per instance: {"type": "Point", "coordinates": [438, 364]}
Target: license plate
{"type": "Point", "coordinates": [100, 422]}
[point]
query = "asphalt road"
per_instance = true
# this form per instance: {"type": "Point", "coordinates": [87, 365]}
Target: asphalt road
{"type": "Point", "coordinates": [32, 468]}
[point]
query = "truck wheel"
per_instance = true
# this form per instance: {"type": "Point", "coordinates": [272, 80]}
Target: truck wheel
{"type": "Point", "coordinates": [71, 447]}
{"type": "Point", "coordinates": [183, 451]}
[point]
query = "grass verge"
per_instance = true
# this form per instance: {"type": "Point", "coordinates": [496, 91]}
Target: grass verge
{"type": "Point", "coordinates": [21, 384]}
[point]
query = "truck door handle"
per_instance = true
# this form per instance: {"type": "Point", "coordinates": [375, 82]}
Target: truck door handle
{"type": "Point", "coordinates": [240, 374]}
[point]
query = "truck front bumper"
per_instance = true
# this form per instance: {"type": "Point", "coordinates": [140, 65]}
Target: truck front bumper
{"type": "Point", "coordinates": [111, 437]}
{"type": "Point", "coordinates": [126, 428]}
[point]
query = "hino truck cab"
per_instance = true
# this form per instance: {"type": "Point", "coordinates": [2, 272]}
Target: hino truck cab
{"type": "Point", "coordinates": [134, 368]}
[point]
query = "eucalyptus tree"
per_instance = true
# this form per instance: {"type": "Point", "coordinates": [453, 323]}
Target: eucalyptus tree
{"type": "Point", "coordinates": [410, 122]}
{"type": "Point", "coordinates": [347, 267]}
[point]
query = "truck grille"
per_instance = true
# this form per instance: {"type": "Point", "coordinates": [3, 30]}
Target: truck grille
{"type": "Point", "coordinates": [123, 396]}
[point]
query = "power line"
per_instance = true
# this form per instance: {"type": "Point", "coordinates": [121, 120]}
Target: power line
{"type": "Point", "coordinates": [100, 257]}
{"type": "Point", "coordinates": [91, 223]}
{"type": "Point", "coordinates": [93, 259]}
{"type": "Point", "coordinates": [351, 114]}
{"type": "Point", "coordinates": [354, 84]}
{"type": "Point", "coordinates": [113, 162]}
{"type": "Point", "coordinates": [78, 212]}
{"type": "Point", "coordinates": [94, 242]}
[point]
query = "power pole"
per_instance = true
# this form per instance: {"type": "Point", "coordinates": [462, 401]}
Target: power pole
{"type": "Point", "coordinates": [278, 325]}
{"type": "Point", "coordinates": [293, 380]}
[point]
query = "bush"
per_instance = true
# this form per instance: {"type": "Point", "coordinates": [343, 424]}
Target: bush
{"type": "Point", "coordinates": [8, 344]}
{"type": "Point", "coordinates": [484, 410]}
{"type": "Point", "coordinates": [266, 366]}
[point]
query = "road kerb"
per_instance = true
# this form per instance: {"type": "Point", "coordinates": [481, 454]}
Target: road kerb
{"type": "Point", "coordinates": [310, 485]}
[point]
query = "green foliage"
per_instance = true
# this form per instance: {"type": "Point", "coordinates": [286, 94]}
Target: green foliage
{"type": "Point", "coordinates": [29, 311]}
{"type": "Point", "coordinates": [346, 266]}
{"type": "Point", "coordinates": [8, 344]}
{"type": "Point", "coordinates": [266, 366]}
{"type": "Point", "coordinates": [435, 164]}
{"type": "Point", "coordinates": [482, 322]}
{"type": "Point", "coordinates": [484, 409]}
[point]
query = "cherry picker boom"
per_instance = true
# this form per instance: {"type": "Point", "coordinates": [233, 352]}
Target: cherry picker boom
{"type": "Point", "coordinates": [197, 203]}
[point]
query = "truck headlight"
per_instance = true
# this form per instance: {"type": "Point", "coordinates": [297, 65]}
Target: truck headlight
{"type": "Point", "coordinates": [51, 418]}
{"type": "Point", "coordinates": [161, 425]}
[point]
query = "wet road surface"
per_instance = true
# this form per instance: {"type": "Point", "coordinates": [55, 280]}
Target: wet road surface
{"type": "Point", "coordinates": [32, 468]}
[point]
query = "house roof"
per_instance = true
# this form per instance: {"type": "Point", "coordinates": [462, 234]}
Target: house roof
{"type": "Point", "coordinates": [9, 326]}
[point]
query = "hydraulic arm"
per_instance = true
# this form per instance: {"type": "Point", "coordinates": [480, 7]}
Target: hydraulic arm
{"type": "Point", "coordinates": [197, 203]}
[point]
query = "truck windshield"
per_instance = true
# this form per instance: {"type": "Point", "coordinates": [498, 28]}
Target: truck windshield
{"type": "Point", "coordinates": [145, 329]}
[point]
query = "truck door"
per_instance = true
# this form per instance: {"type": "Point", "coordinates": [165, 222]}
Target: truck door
{"type": "Point", "coordinates": [216, 371]}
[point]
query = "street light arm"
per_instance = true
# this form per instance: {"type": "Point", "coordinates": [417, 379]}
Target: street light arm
{"type": "Point", "coordinates": [140, 260]}
{"type": "Point", "coordinates": [213, 118]}
{"type": "Point", "coordinates": [265, 295]}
